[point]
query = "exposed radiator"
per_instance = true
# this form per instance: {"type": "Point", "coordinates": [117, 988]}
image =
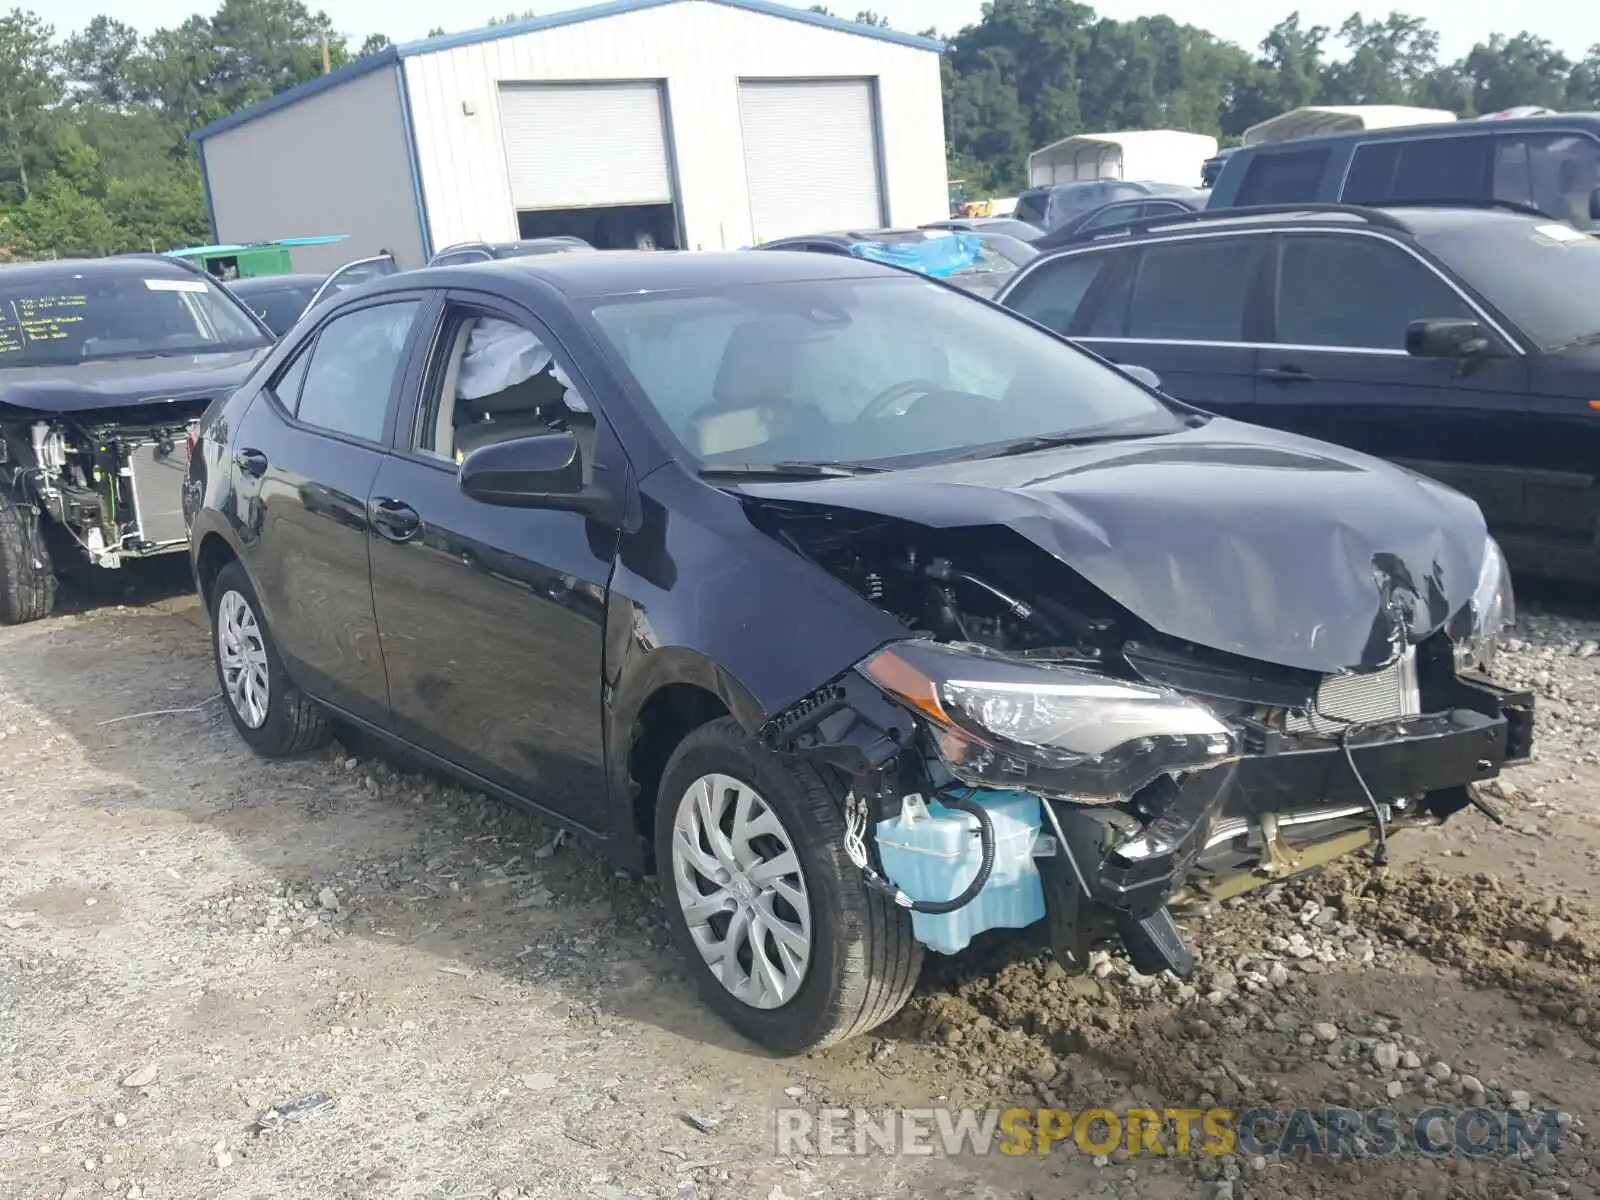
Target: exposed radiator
{"type": "Point", "coordinates": [157, 471]}
{"type": "Point", "coordinates": [1386, 695]}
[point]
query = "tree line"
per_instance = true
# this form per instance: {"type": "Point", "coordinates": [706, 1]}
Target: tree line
{"type": "Point", "coordinates": [94, 157]}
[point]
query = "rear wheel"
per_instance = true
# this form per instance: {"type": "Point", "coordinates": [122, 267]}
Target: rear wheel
{"type": "Point", "coordinates": [272, 715]}
{"type": "Point", "coordinates": [27, 574]}
{"type": "Point", "coordinates": [786, 940]}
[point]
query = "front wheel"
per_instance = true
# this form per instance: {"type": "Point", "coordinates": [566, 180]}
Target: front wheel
{"type": "Point", "coordinates": [27, 574]}
{"type": "Point", "coordinates": [272, 715]}
{"type": "Point", "coordinates": [786, 940]}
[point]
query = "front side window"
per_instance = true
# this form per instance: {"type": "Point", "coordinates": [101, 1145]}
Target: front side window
{"type": "Point", "coordinates": [1194, 291]}
{"type": "Point", "coordinates": [1111, 214]}
{"type": "Point", "coordinates": [1283, 177]}
{"type": "Point", "coordinates": [352, 369]}
{"type": "Point", "coordinates": [1553, 172]}
{"type": "Point", "coordinates": [887, 371]}
{"type": "Point", "coordinates": [495, 380]}
{"type": "Point", "coordinates": [1052, 294]}
{"type": "Point", "coordinates": [50, 318]}
{"type": "Point", "coordinates": [1356, 292]}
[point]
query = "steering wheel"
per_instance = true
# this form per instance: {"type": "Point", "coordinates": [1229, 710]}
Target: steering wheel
{"type": "Point", "coordinates": [879, 404]}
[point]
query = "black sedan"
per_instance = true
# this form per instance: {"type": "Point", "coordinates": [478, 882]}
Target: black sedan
{"type": "Point", "coordinates": [781, 574]}
{"type": "Point", "coordinates": [278, 299]}
{"type": "Point", "coordinates": [1117, 213]}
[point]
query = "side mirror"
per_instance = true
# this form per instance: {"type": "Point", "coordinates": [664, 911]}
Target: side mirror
{"type": "Point", "coordinates": [1445, 337]}
{"type": "Point", "coordinates": [542, 471]}
{"type": "Point", "coordinates": [1143, 375]}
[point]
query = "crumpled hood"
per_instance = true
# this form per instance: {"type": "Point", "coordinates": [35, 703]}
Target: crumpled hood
{"type": "Point", "coordinates": [124, 382]}
{"type": "Point", "coordinates": [1242, 539]}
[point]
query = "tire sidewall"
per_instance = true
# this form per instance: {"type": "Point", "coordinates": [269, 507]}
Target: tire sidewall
{"type": "Point", "coordinates": [272, 732]}
{"type": "Point", "coordinates": [802, 1020]}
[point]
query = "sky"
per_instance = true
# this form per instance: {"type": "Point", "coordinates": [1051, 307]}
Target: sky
{"type": "Point", "coordinates": [1572, 27]}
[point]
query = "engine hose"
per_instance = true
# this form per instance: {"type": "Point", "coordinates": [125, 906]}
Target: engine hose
{"type": "Point", "coordinates": [939, 908]}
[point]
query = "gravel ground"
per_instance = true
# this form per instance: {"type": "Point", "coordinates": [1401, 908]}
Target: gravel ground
{"type": "Point", "coordinates": [337, 978]}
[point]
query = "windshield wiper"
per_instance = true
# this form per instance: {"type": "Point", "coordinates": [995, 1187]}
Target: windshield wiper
{"type": "Point", "coordinates": [1050, 441]}
{"type": "Point", "coordinates": [787, 470]}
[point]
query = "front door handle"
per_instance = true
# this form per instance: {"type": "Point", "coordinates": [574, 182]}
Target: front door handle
{"type": "Point", "coordinates": [1286, 374]}
{"type": "Point", "coordinates": [252, 462]}
{"type": "Point", "coordinates": [395, 520]}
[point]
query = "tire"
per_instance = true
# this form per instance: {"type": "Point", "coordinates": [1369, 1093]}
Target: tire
{"type": "Point", "coordinates": [862, 961]}
{"type": "Point", "coordinates": [27, 574]}
{"type": "Point", "coordinates": [285, 721]}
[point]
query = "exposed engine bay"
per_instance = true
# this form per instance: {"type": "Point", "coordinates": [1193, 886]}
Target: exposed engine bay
{"type": "Point", "coordinates": [109, 483]}
{"type": "Point", "coordinates": [1163, 771]}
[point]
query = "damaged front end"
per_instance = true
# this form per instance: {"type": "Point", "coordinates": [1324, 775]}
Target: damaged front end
{"type": "Point", "coordinates": [109, 482]}
{"type": "Point", "coordinates": [1020, 759]}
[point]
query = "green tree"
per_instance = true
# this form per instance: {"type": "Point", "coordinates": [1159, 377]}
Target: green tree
{"type": "Point", "coordinates": [29, 88]}
{"type": "Point", "coordinates": [374, 43]}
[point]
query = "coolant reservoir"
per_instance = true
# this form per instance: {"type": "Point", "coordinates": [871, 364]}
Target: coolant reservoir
{"type": "Point", "coordinates": [931, 852]}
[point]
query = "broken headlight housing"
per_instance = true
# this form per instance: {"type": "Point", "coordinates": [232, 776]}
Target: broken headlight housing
{"type": "Point", "coordinates": [1003, 722]}
{"type": "Point", "coordinates": [1487, 615]}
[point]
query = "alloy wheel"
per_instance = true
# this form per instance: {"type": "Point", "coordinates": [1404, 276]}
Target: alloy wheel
{"type": "Point", "coordinates": [742, 891]}
{"type": "Point", "coordinates": [242, 655]}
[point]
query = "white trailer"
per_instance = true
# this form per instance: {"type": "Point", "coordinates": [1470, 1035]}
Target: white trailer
{"type": "Point", "coordinates": [1148, 155]}
{"type": "Point", "coordinates": [1317, 119]}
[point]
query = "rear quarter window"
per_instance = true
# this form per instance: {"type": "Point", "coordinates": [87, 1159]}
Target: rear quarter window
{"type": "Point", "coordinates": [1284, 177]}
{"type": "Point", "coordinates": [1441, 168]}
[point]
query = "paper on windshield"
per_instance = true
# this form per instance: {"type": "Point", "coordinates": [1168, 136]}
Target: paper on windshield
{"type": "Point", "coordinates": [1560, 234]}
{"type": "Point", "coordinates": [175, 285]}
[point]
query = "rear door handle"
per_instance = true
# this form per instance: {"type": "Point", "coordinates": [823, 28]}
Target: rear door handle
{"type": "Point", "coordinates": [252, 462]}
{"type": "Point", "coordinates": [395, 520]}
{"type": "Point", "coordinates": [1287, 374]}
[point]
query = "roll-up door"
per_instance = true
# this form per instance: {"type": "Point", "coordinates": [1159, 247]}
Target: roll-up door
{"type": "Point", "coordinates": [582, 145]}
{"type": "Point", "coordinates": [810, 155]}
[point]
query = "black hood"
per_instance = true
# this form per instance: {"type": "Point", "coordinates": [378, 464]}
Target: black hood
{"type": "Point", "coordinates": [1262, 544]}
{"type": "Point", "coordinates": [107, 383]}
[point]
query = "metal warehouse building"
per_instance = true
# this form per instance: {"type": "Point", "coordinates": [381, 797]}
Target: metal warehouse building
{"type": "Point", "coordinates": [701, 124]}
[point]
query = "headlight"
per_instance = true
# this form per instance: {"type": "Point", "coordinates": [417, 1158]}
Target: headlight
{"type": "Point", "coordinates": [1000, 721]}
{"type": "Point", "coordinates": [1489, 613]}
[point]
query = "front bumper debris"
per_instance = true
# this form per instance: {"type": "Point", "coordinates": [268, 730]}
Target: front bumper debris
{"type": "Point", "coordinates": [1288, 805]}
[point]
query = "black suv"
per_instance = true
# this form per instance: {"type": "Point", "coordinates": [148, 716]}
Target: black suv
{"type": "Point", "coordinates": [1462, 341]}
{"type": "Point", "coordinates": [1551, 163]}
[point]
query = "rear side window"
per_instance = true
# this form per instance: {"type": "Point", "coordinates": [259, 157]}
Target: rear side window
{"type": "Point", "coordinates": [1283, 177]}
{"type": "Point", "coordinates": [1442, 168]}
{"type": "Point", "coordinates": [1113, 214]}
{"type": "Point", "coordinates": [353, 368]}
{"type": "Point", "coordinates": [1194, 291]}
{"type": "Point", "coordinates": [1052, 294]}
{"type": "Point", "coordinates": [1030, 207]}
{"type": "Point", "coordinates": [1356, 292]}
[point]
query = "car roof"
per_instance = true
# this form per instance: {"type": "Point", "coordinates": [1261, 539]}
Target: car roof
{"type": "Point", "coordinates": [130, 265]}
{"type": "Point", "coordinates": [1552, 123]}
{"type": "Point", "coordinates": [267, 283]}
{"type": "Point", "coordinates": [1404, 219]}
{"type": "Point", "coordinates": [617, 272]}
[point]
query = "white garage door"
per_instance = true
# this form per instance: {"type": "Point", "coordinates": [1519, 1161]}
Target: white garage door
{"type": "Point", "coordinates": [577, 145]}
{"type": "Point", "coordinates": [810, 156]}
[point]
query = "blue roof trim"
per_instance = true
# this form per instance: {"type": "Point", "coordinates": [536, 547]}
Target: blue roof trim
{"type": "Point", "coordinates": [575, 16]}
{"type": "Point", "coordinates": [362, 66]}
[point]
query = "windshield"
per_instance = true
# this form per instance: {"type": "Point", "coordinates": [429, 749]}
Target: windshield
{"type": "Point", "coordinates": [883, 371]}
{"type": "Point", "coordinates": [1544, 277]}
{"type": "Point", "coordinates": [280, 308]}
{"type": "Point", "coordinates": [1013, 252]}
{"type": "Point", "coordinates": [85, 314]}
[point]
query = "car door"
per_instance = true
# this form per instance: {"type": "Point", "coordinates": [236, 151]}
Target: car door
{"type": "Point", "coordinates": [1337, 368]}
{"type": "Point", "coordinates": [1186, 308]}
{"type": "Point", "coordinates": [352, 273]}
{"type": "Point", "coordinates": [307, 451]}
{"type": "Point", "coordinates": [491, 618]}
